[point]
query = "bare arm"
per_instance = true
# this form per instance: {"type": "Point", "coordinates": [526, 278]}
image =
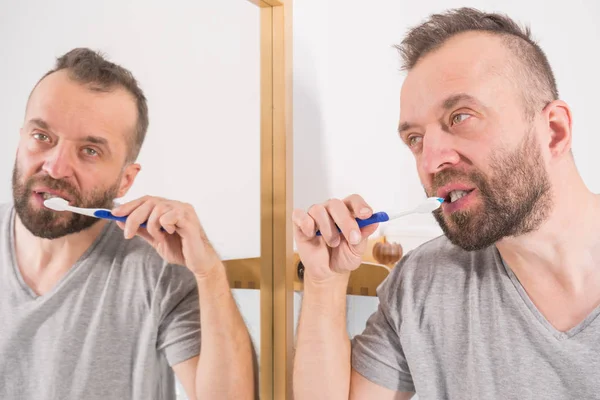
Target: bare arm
{"type": "Point", "coordinates": [224, 367]}
{"type": "Point", "coordinates": [186, 374]}
{"type": "Point", "coordinates": [322, 365]}
{"type": "Point", "coordinates": [362, 389]}
{"type": "Point", "coordinates": [322, 361]}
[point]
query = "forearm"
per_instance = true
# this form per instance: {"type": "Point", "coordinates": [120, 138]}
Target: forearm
{"type": "Point", "coordinates": [322, 361]}
{"type": "Point", "coordinates": [225, 366]}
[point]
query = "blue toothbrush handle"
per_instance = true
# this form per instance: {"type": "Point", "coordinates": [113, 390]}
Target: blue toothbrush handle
{"type": "Point", "coordinates": [373, 219]}
{"type": "Point", "coordinates": [108, 215]}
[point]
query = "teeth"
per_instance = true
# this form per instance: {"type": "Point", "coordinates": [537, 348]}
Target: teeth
{"type": "Point", "coordinates": [47, 196]}
{"type": "Point", "coordinates": [457, 194]}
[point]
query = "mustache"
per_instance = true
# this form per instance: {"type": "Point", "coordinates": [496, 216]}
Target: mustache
{"type": "Point", "coordinates": [474, 178]}
{"type": "Point", "coordinates": [448, 176]}
{"type": "Point", "coordinates": [51, 183]}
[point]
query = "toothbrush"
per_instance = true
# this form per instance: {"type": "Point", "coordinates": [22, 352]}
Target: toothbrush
{"type": "Point", "coordinates": [58, 204]}
{"type": "Point", "coordinates": [429, 205]}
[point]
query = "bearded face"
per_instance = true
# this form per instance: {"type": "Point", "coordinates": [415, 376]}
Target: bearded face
{"type": "Point", "coordinates": [514, 200]}
{"type": "Point", "coordinates": [30, 193]}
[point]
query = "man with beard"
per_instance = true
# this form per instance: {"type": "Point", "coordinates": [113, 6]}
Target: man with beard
{"type": "Point", "coordinates": [504, 305]}
{"type": "Point", "coordinates": [89, 310]}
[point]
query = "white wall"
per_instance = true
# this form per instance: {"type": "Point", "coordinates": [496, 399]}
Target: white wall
{"type": "Point", "coordinates": [198, 63]}
{"type": "Point", "coordinates": [346, 100]}
{"type": "Point", "coordinates": [347, 83]}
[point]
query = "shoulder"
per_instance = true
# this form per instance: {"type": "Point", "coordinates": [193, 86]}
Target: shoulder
{"type": "Point", "coordinates": [437, 268]}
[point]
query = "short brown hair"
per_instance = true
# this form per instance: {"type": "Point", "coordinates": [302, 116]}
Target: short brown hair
{"type": "Point", "coordinates": [92, 68]}
{"type": "Point", "coordinates": [540, 88]}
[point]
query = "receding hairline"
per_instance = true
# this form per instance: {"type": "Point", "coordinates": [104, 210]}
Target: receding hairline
{"type": "Point", "coordinates": [91, 86]}
{"type": "Point", "coordinates": [94, 70]}
{"type": "Point", "coordinates": [534, 75]}
{"type": "Point", "coordinates": [496, 68]}
{"type": "Point", "coordinates": [516, 69]}
{"type": "Point", "coordinates": [131, 132]}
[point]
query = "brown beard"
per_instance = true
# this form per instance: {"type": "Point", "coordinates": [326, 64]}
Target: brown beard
{"type": "Point", "coordinates": [516, 199]}
{"type": "Point", "coordinates": [49, 224]}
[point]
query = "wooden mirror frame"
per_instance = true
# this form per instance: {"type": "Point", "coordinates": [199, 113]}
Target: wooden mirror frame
{"type": "Point", "coordinates": [273, 272]}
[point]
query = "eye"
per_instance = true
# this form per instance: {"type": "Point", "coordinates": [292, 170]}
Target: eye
{"type": "Point", "coordinates": [41, 137]}
{"type": "Point", "coordinates": [458, 118]}
{"type": "Point", "coordinates": [413, 140]}
{"type": "Point", "coordinates": [90, 152]}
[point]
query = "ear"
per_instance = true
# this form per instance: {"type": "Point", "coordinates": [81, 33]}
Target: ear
{"type": "Point", "coordinates": [558, 115]}
{"type": "Point", "coordinates": [129, 174]}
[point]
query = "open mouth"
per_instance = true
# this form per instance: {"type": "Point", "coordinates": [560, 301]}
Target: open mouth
{"type": "Point", "coordinates": [47, 195]}
{"type": "Point", "coordinates": [456, 195]}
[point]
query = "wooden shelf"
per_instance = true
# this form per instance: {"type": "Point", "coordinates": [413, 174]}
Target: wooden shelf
{"type": "Point", "coordinates": [245, 274]}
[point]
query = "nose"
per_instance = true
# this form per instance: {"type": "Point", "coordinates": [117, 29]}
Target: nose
{"type": "Point", "coordinates": [438, 152]}
{"type": "Point", "coordinates": [59, 163]}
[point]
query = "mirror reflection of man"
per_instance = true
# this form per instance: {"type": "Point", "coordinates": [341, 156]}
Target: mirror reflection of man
{"type": "Point", "coordinates": [103, 310]}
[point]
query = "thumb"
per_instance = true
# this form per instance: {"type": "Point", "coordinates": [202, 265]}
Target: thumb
{"type": "Point", "coordinates": [365, 232]}
{"type": "Point", "coordinates": [368, 230]}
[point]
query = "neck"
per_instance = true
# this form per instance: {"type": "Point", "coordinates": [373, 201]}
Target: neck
{"type": "Point", "coordinates": [566, 247]}
{"type": "Point", "coordinates": [36, 255]}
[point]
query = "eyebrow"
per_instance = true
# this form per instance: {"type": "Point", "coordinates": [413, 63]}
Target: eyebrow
{"type": "Point", "coordinates": [448, 103]}
{"type": "Point", "coordinates": [405, 126]}
{"type": "Point", "coordinates": [451, 101]}
{"type": "Point", "coordinates": [95, 140]}
{"type": "Point", "coordinates": [39, 122]}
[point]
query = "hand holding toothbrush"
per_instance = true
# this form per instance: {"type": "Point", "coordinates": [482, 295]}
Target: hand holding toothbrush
{"type": "Point", "coordinates": [344, 226]}
{"type": "Point", "coordinates": [171, 227]}
{"type": "Point", "coordinates": [337, 252]}
{"type": "Point", "coordinates": [183, 240]}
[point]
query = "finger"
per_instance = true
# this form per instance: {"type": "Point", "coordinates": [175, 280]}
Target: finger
{"type": "Point", "coordinates": [343, 218]}
{"type": "Point", "coordinates": [182, 218]}
{"type": "Point", "coordinates": [305, 224]}
{"type": "Point", "coordinates": [325, 224]}
{"type": "Point", "coordinates": [137, 217]}
{"type": "Point", "coordinates": [127, 208]}
{"type": "Point", "coordinates": [121, 224]}
{"type": "Point", "coordinates": [170, 220]}
{"type": "Point", "coordinates": [153, 225]}
{"type": "Point", "coordinates": [299, 236]}
{"type": "Point", "coordinates": [358, 206]}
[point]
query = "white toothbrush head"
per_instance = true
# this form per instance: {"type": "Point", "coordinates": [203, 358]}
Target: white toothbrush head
{"type": "Point", "coordinates": [429, 205]}
{"type": "Point", "coordinates": [56, 204]}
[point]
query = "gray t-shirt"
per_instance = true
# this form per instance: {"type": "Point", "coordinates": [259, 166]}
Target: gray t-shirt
{"type": "Point", "coordinates": [109, 329]}
{"type": "Point", "coordinates": [453, 324]}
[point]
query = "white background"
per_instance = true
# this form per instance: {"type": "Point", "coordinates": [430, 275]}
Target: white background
{"type": "Point", "coordinates": [347, 84]}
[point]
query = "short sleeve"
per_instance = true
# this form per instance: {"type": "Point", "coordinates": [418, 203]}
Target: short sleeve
{"type": "Point", "coordinates": [377, 352]}
{"type": "Point", "coordinates": [178, 315]}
